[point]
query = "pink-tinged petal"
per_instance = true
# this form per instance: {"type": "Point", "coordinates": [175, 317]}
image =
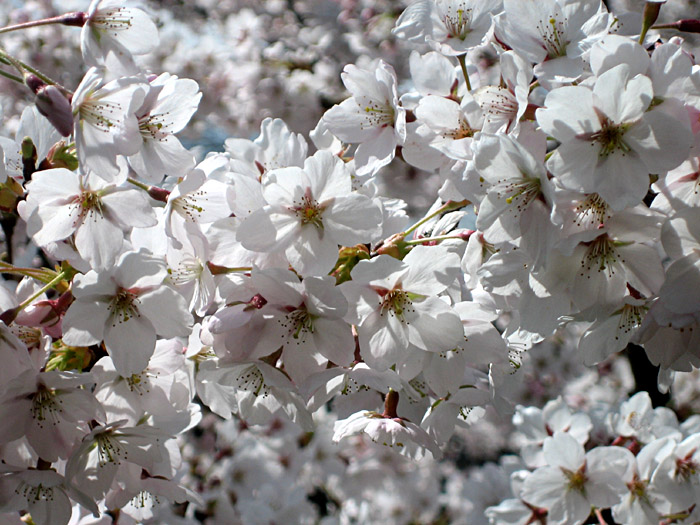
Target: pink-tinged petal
{"type": "Point", "coordinates": [167, 312]}
{"type": "Point", "coordinates": [57, 222]}
{"type": "Point", "coordinates": [431, 269]}
{"type": "Point", "coordinates": [312, 252]}
{"type": "Point", "coordinates": [177, 102]}
{"type": "Point", "coordinates": [605, 469]}
{"type": "Point", "coordinates": [84, 322]}
{"type": "Point", "coordinates": [300, 363]}
{"type": "Point", "coordinates": [617, 49]}
{"type": "Point", "coordinates": [334, 340]}
{"type": "Point", "coordinates": [285, 186]}
{"type": "Point", "coordinates": [130, 344]}
{"type": "Point", "coordinates": [568, 112]}
{"type": "Point", "coordinates": [562, 450]}
{"type": "Point", "coordinates": [257, 233]}
{"type": "Point", "coordinates": [99, 242]}
{"type": "Point", "coordinates": [439, 113]}
{"type": "Point", "coordinates": [140, 270]}
{"type": "Point", "coordinates": [53, 184]}
{"type": "Point", "coordinates": [620, 97]}
{"type": "Point", "coordinates": [621, 179]}
{"type": "Point", "coordinates": [373, 83]}
{"type": "Point", "coordinates": [383, 271]}
{"type": "Point", "coordinates": [572, 509]}
{"type": "Point", "coordinates": [328, 176]}
{"type": "Point", "coordinates": [376, 153]}
{"type": "Point", "coordinates": [166, 156]}
{"type": "Point", "coordinates": [436, 327]}
{"type": "Point", "coordinates": [323, 298]}
{"type": "Point", "coordinates": [573, 164]}
{"type": "Point", "coordinates": [663, 138]}
{"type": "Point", "coordinates": [278, 286]}
{"type": "Point", "coordinates": [544, 487]}
{"type": "Point", "coordinates": [678, 293]}
{"type": "Point", "coordinates": [382, 339]}
{"type": "Point", "coordinates": [352, 219]}
{"type": "Point", "coordinates": [643, 267]}
{"type": "Point", "coordinates": [432, 73]}
{"type": "Point", "coordinates": [348, 122]}
{"type": "Point", "coordinates": [129, 208]}
{"type": "Point", "coordinates": [249, 195]}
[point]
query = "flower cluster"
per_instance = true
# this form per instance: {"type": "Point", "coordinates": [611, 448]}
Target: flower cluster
{"type": "Point", "coordinates": [274, 282]}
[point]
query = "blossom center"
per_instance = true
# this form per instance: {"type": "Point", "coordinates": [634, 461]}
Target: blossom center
{"type": "Point", "coordinates": [576, 480]}
{"type": "Point", "coordinates": [46, 405]}
{"type": "Point", "coordinates": [553, 33]}
{"type": "Point", "coordinates": [124, 306]}
{"type": "Point", "coordinates": [458, 23]}
{"type": "Point", "coordinates": [631, 317]}
{"type": "Point", "coordinates": [153, 127]}
{"type": "Point", "coordinates": [593, 211]}
{"type": "Point", "coordinates": [601, 255]}
{"type": "Point", "coordinates": [35, 493]}
{"type": "Point", "coordinates": [686, 467]}
{"type": "Point", "coordinates": [108, 450]}
{"type": "Point", "coordinates": [396, 303]}
{"type": "Point", "coordinates": [112, 20]}
{"type": "Point", "coordinates": [610, 138]}
{"type": "Point", "coordinates": [188, 207]}
{"type": "Point", "coordinates": [99, 114]}
{"type": "Point", "coordinates": [298, 323]}
{"type": "Point", "coordinates": [377, 115]}
{"type": "Point", "coordinates": [309, 211]}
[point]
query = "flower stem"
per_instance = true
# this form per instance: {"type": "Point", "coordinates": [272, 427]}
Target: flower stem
{"type": "Point", "coordinates": [53, 282]}
{"type": "Point", "coordinates": [448, 206]}
{"type": "Point", "coordinates": [11, 76]}
{"type": "Point", "coordinates": [440, 238]}
{"type": "Point", "coordinates": [73, 19]}
{"type": "Point", "coordinates": [601, 519]}
{"type": "Point", "coordinates": [154, 192]}
{"type": "Point", "coordinates": [8, 316]}
{"type": "Point", "coordinates": [463, 63]}
{"type": "Point", "coordinates": [23, 67]}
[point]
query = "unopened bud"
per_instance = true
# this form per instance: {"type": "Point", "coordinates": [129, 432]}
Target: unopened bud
{"type": "Point", "coordinates": [28, 158]}
{"type": "Point", "coordinates": [158, 194]}
{"type": "Point", "coordinates": [77, 19]}
{"type": "Point", "coordinates": [34, 83]}
{"type": "Point", "coordinates": [687, 25]}
{"type": "Point", "coordinates": [54, 105]}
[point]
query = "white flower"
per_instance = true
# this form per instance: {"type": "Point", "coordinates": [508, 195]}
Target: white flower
{"type": "Point", "coordinates": [574, 480]}
{"type": "Point", "coordinates": [112, 28]}
{"type": "Point", "coordinates": [45, 494]}
{"type": "Point", "coordinates": [389, 430]}
{"type": "Point", "coordinates": [395, 307]}
{"type": "Point", "coordinates": [452, 27]}
{"type": "Point", "coordinates": [167, 108]}
{"type": "Point", "coordinates": [553, 34]}
{"type": "Point", "coordinates": [372, 117]}
{"type": "Point", "coordinates": [126, 307]}
{"type": "Point", "coordinates": [105, 121]}
{"type": "Point", "coordinates": [96, 214]}
{"type": "Point", "coordinates": [610, 143]}
{"type": "Point", "coordinates": [310, 212]}
{"type": "Point", "coordinates": [307, 321]}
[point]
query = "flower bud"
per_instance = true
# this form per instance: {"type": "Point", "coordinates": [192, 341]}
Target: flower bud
{"type": "Point", "coordinates": [77, 19]}
{"type": "Point", "coordinates": [53, 104]}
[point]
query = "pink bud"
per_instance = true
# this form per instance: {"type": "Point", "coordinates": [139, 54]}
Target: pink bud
{"type": "Point", "coordinates": [53, 104]}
